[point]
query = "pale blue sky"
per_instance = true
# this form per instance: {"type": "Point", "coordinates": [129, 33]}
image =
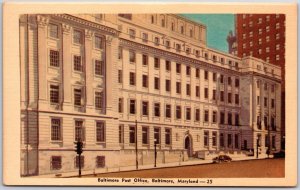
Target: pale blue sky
{"type": "Point", "coordinates": [218, 26]}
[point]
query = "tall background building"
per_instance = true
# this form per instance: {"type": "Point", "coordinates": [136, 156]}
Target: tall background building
{"type": "Point", "coordinates": [261, 36]}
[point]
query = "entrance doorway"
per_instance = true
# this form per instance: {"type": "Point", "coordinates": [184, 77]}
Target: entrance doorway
{"type": "Point", "coordinates": [188, 145]}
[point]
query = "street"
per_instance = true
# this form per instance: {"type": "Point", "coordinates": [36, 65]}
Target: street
{"type": "Point", "coordinates": [237, 169]}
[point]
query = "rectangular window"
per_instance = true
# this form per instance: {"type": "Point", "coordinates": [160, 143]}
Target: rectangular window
{"type": "Point", "coordinates": [156, 83]}
{"type": "Point", "coordinates": [178, 112]}
{"type": "Point", "coordinates": [214, 138]}
{"type": "Point", "coordinates": [206, 138]}
{"type": "Point", "coordinates": [54, 94]}
{"type": "Point", "coordinates": [132, 78]}
{"type": "Point", "coordinates": [188, 89]}
{"type": "Point", "coordinates": [197, 115]}
{"type": "Point", "coordinates": [237, 99]}
{"type": "Point", "coordinates": [258, 122]}
{"type": "Point", "coordinates": [100, 131]}
{"type": "Point", "coordinates": [221, 140]}
{"type": "Point", "coordinates": [56, 162]}
{"type": "Point", "coordinates": [214, 118]}
{"type": "Point", "coordinates": [156, 109]}
{"type": "Point", "coordinates": [132, 56]}
{"type": "Point", "coordinates": [205, 93]}
{"type": "Point", "coordinates": [188, 113]}
{"type": "Point", "coordinates": [120, 105]}
{"type": "Point", "coordinates": [145, 60]}
{"type": "Point", "coordinates": [98, 67]}
{"type": "Point", "coordinates": [157, 135]}
{"type": "Point", "coordinates": [145, 134]}
{"type": "Point", "coordinates": [178, 68]}
{"type": "Point", "coordinates": [222, 96]}
{"type": "Point", "coordinates": [54, 58]}
{"type": "Point", "coordinates": [53, 30]}
{"type": "Point", "coordinates": [197, 73]}
{"type": "Point", "coordinates": [156, 62]}
{"type": "Point", "coordinates": [99, 100]}
{"type": "Point", "coordinates": [272, 103]}
{"type": "Point", "coordinates": [188, 70]}
{"type": "Point", "coordinates": [206, 116]}
{"type": "Point", "coordinates": [77, 63]}
{"type": "Point", "coordinates": [145, 108]}
{"type": "Point", "coordinates": [77, 37]}
{"type": "Point", "coordinates": [120, 53]}
{"type": "Point", "coordinates": [145, 37]}
{"type": "Point", "coordinates": [273, 142]}
{"type": "Point", "coordinates": [79, 131]}
{"type": "Point", "coordinates": [132, 107]}
{"type": "Point", "coordinates": [273, 88]}
{"type": "Point", "coordinates": [229, 119]}
{"type": "Point", "coordinates": [197, 91]}
{"type": "Point", "coordinates": [237, 119]}
{"type": "Point", "coordinates": [132, 134]}
{"type": "Point", "coordinates": [206, 75]}
{"type": "Point", "coordinates": [121, 133]}
{"type": "Point", "coordinates": [120, 76]}
{"type": "Point", "coordinates": [214, 77]}
{"type": "Point", "coordinates": [214, 94]}
{"type": "Point", "coordinates": [81, 161]}
{"type": "Point", "coordinates": [168, 85]}
{"type": "Point", "coordinates": [273, 123]}
{"type": "Point", "coordinates": [55, 130]}
{"type": "Point", "coordinates": [145, 81]}
{"type": "Point", "coordinates": [265, 101]}
{"type": "Point", "coordinates": [168, 111]}
{"type": "Point", "coordinates": [77, 97]}
{"type": "Point", "coordinates": [229, 98]}
{"type": "Point", "coordinates": [237, 83]}
{"type": "Point", "coordinates": [100, 161]}
{"type": "Point", "coordinates": [229, 140]}
{"type": "Point", "coordinates": [156, 41]}
{"type": "Point", "coordinates": [221, 79]}
{"type": "Point", "coordinates": [178, 87]}
{"type": "Point", "coordinates": [222, 118]}
{"type": "Point", "coordinates": [167, 44]}
{"type": "Point", "coordinates": [98, 42]}
{"type": "Point", "coordinates": [258, 100]}
{"type": "Point", "coordinates": [168, 136]}
{"type": "Point", "coordinates": [132, 33]}
{"type": "Point", "coordinates": [266, 122]}
{"type": "Point", "coordinates": [168, 65]}
{"type": "Point", "coordinates": [236, 141]}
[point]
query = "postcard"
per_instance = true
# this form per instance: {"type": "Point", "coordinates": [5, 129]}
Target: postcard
{"type": "Point", "coordinates": [164, 94]}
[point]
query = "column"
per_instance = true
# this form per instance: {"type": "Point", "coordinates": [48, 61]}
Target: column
{"type": "Point", "coordinates": [67, 67]}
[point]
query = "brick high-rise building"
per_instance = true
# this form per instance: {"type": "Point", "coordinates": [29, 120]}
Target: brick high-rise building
{"type": "Point", "coordinates": [261, 36]}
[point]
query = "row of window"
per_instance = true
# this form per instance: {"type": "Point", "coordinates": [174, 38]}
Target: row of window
{"type": "Point", "coordinates": [56, 162]}
{"type": "Point", "coordinates": [178, 112]}
{"type": "Point", "coordinates": [258, 102]}
{"type": "Point", "coordinates": [267, 141]}
{"type": "Point", "coordinates": [78, 36]}
{"type": "Point", "coordinates": [77, 63]}
{"type": "Point", "coordinates": [77, 98]}
{"type": "Point", "coordinates": [266, 123]}
{"type": "Point", "coordinates": [258, 82]}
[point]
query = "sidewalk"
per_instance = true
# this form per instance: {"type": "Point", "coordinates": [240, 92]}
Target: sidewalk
{"type": "Point", "coordinates": [190, 162]}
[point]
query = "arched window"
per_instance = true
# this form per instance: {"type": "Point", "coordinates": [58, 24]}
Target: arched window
{"type": "Point", "coordinates": [172, 26]}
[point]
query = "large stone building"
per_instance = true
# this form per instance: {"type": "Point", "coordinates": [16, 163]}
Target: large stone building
{"type": "Point", "coordinates": [261, 36]}
{"type": "Point", "coordinates": [124, 82]}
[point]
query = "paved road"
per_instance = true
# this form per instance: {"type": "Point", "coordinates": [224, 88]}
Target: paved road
{"type": "Point", "coordinates": [244, 169]}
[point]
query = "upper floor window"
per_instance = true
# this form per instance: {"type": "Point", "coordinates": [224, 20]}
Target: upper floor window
{"type": "Point", "coordinates": [53, 30]}
{"type": "Point", "coordinates": [131, 56]}
{"type": "Point", "coordinates": [98, 42]}
{"type": "Point", "coordinates": [156, 41]}
{"type": "Point", "coordinates": [191, 32]}
{"type": "Point", "coordinates": [172, 26]}
{"type": "Point", "coordinates": [77, 63]}
{"type": "Point", "coordinates": [132, 78]}
{"type": "Point", "coordinates": [99, 100]}
{"type": "Point", "coordinates": [100, 131]}
{"type": "Point", "coordinates": [181, 29]}
{"type": "Point", "coordinates": [77, 37]}
{"type": "Point", "coordinates": [145, 37]}
{"type": "Point", "coordinates": [79, 131]}
{"type": "Point", "coordinates": [132, 33]}
{"type": "Point", "coordinates": [54, 94]}
{"type": "Point", "coordinates": [156, 62]}
{"type": "Point", "coordinates": [77, 97]}
{"type": "Point", "coordinates": [55, 129]}
{"type": "Point", "coordinates": [98, 67]}
{"type": "Point", "coordinates": [54, 58]}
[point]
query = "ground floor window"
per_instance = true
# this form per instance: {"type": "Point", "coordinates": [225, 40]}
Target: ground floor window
{"type": "Point", "coordinates": [157, 135]}
{"type": "Point", "coordinates": [55, 163]}
{"type": "Point", "coordinates": [131, 134]}
{"type": "Point", "coordinates": [214, 138]}
{"type": "Point", "coordinates": [273, 142]}
{"type": "Point", "coordinates": [168, 136]}
{"type": "Point", "coordinates": [236, 141]}
{"type": "Point", "coordinates": [81, 161]}
{"type": "Point", "coordinates": [100, 161]}
{"type": "Point", "coordinates": [221, 140]}
{"type": "Point", "coordinates": [145, 132]}
{"type": "Point", "coordinates": [206, 134]}
{"type": "Point", "coordinates": [229, 142]}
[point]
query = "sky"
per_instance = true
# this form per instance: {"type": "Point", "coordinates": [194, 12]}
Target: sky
{"type": "Point", "coordinates": [218, 27]}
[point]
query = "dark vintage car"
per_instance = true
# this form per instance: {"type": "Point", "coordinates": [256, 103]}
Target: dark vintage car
{"type": "Point", "coordinates": [222, 158]}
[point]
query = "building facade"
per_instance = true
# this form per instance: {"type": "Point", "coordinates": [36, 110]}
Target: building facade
{"type": "Point", "coordinates": [123, 83]}
{"type": "Point", "coordinates": [261, 36]}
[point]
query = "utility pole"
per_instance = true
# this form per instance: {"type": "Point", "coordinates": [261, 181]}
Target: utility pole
{"type": "Point", "coordinates": [136, 146]}
{"type": "Point", "coordinates": [257, 141]}
{"type": "Point", "coordinates": [155, 153]}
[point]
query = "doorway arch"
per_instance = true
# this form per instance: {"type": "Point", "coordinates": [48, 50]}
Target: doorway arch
{"type": "Point", "coordinates": [188, 145]}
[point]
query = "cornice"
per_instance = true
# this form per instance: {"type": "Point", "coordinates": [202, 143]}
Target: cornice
{"type": "Point", "coordinates": [174, 56]}
{"type": "Point", "coordinates": [85, 23]}
{"type": "Point", "coordinates": [253, 73]}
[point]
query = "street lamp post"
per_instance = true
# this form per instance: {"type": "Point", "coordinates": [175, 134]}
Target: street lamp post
{"type": "Point", "coordinates": [257, 141]}
{"type": "Point", "coordinates": [155, 153]}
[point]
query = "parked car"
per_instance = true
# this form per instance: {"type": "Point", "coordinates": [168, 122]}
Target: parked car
{"type": "Point", "coordinates": [280, 154]}
{"type": "Point", "coordinates": [222, 158]}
